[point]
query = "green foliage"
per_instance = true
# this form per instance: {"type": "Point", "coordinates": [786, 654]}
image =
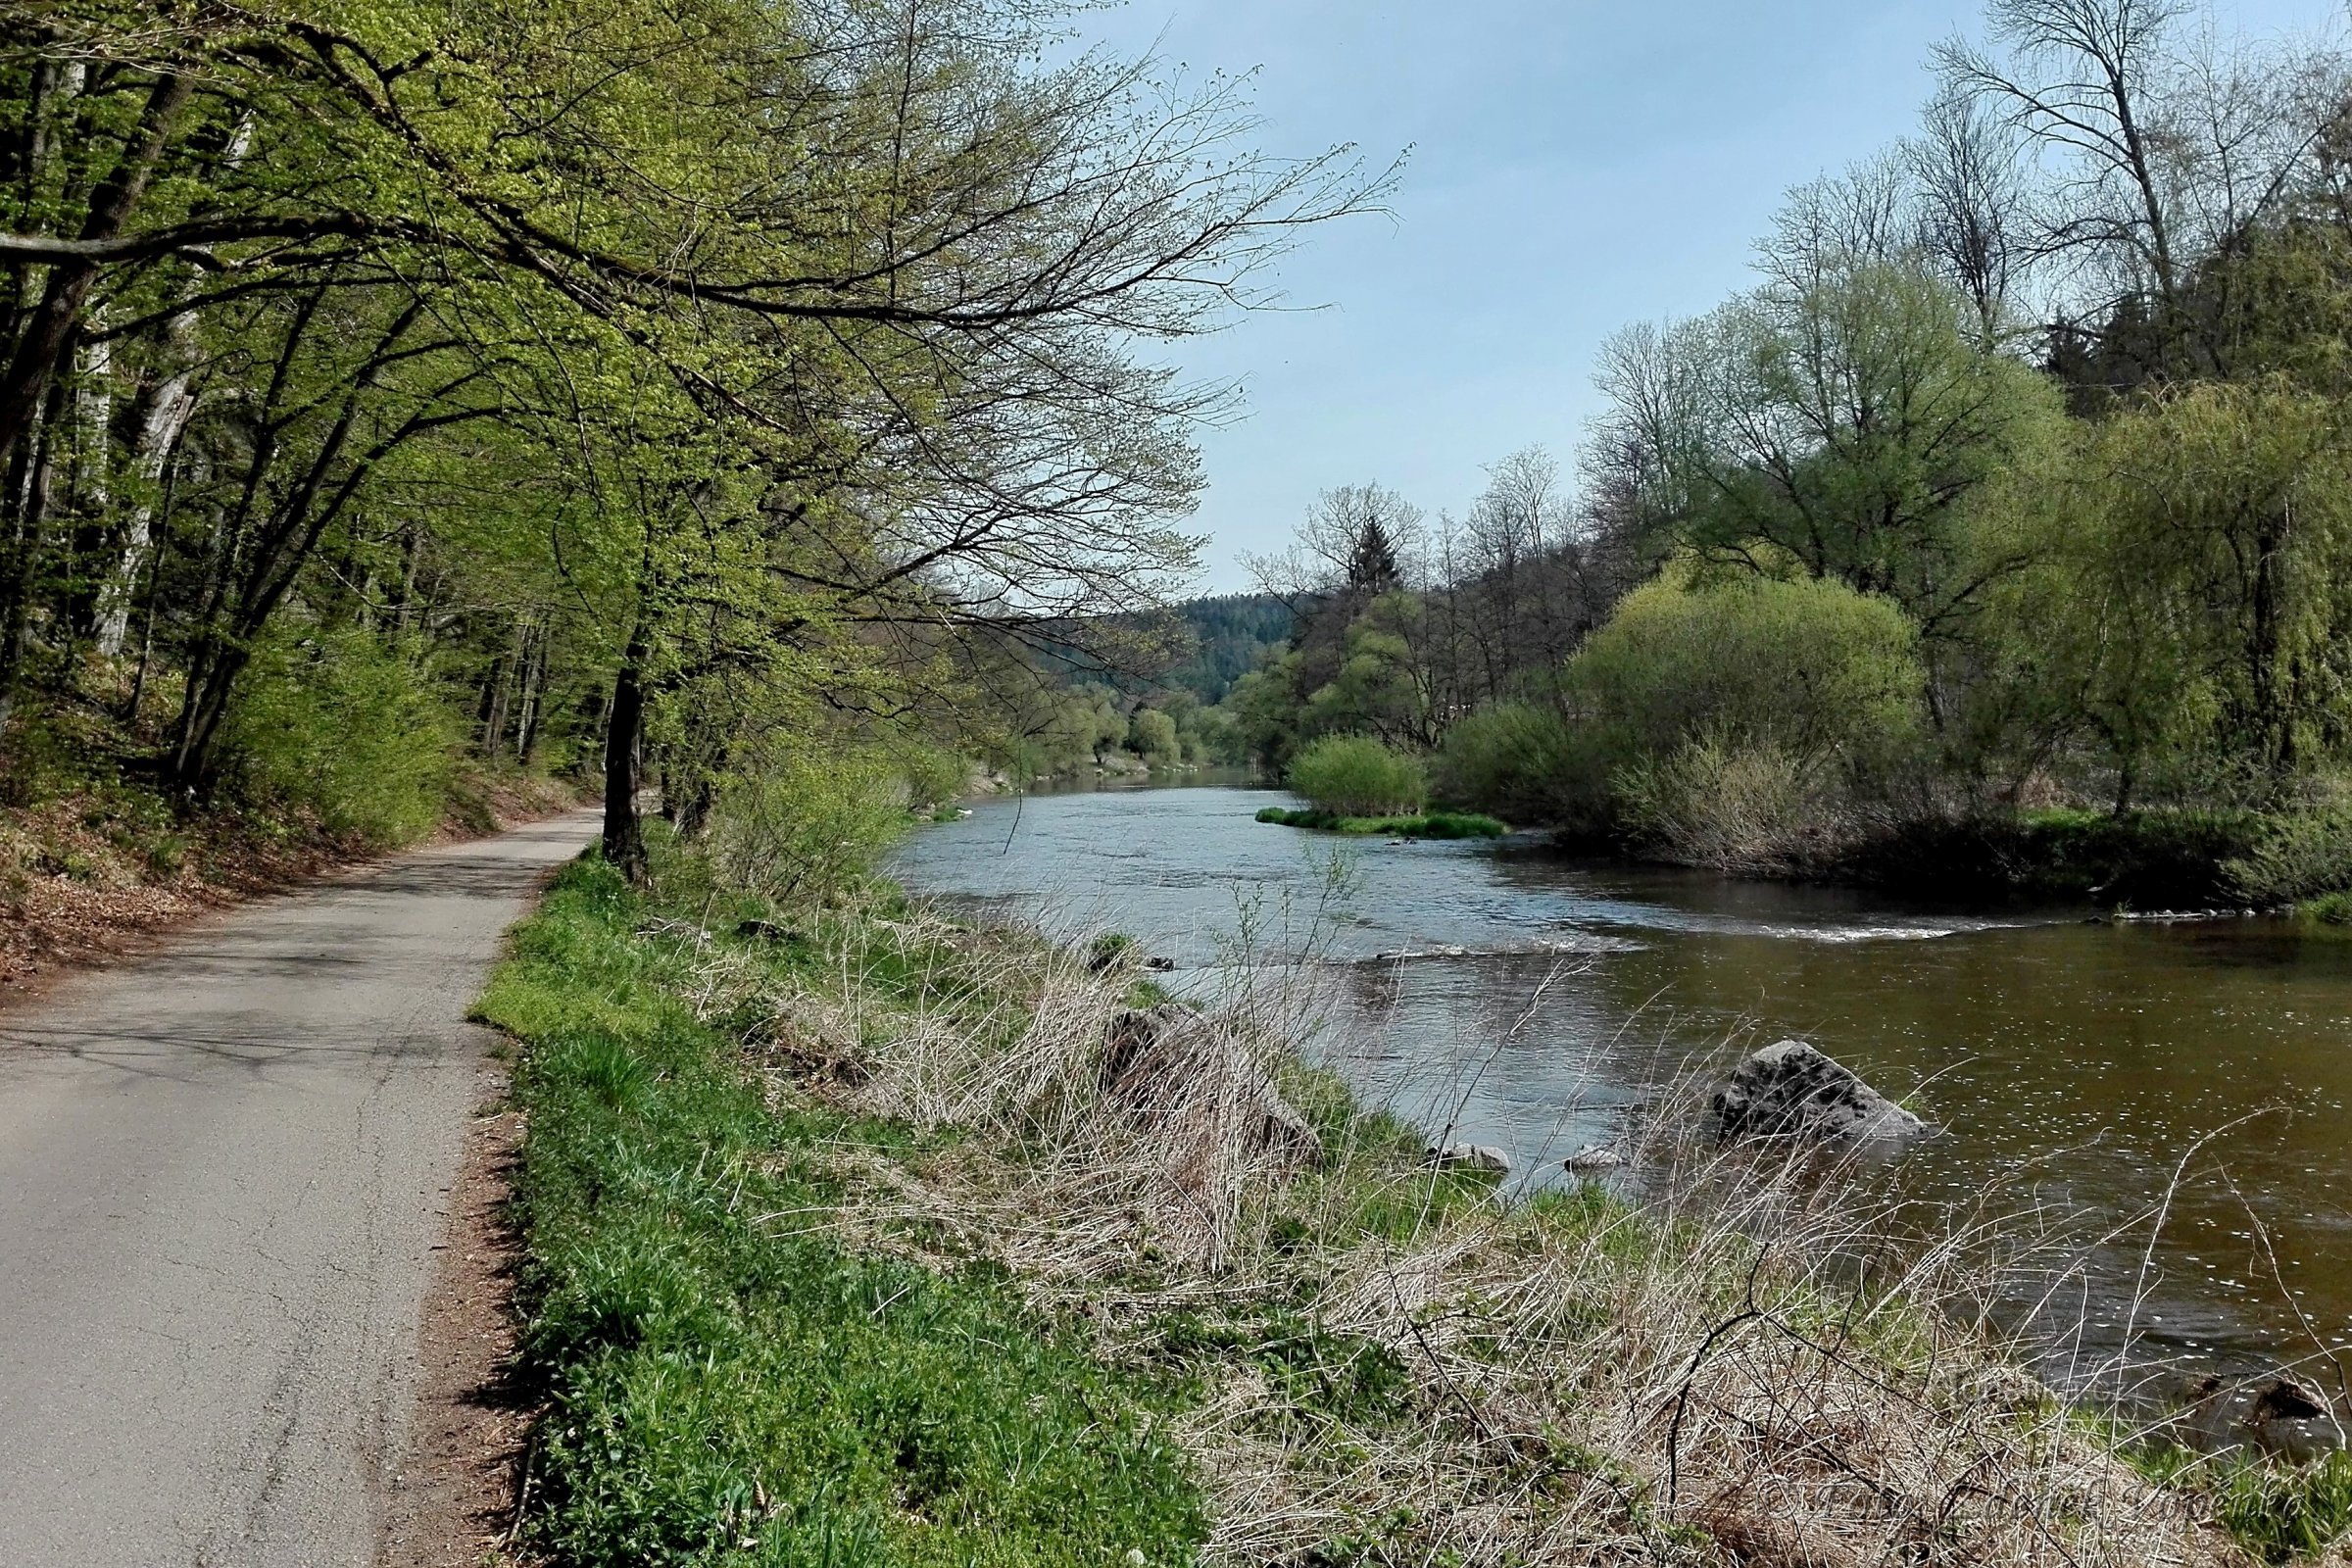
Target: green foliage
{"type": "Point", "coordinates": [1522, 761]}
{"type": "Point", "coordinates": [1152, 736]}
{"type": "Point", "coordinates": [1842, 417]}
{"type": "Point", "coordinates": [342, 725]}
{"type": "Point", "coordinates": [1354, 775]}
{"type": "Point", "coordinates": [934, 775]}
{"type": "Point", "coordinates": [1232, 634]}
{"type": "Point", "coordinates": [1809, 665]}
{"type": "Point", "coordinates": [1733, 804]}
{"type": "Point", "coordinates": [791, 824]}
{"type": "Point", "coordinates": [2298, 856]}
{"type": "Point", "coordinates": [724, 1386]}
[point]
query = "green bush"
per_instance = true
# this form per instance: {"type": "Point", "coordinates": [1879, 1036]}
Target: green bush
{"type": "Point", "coordinates": [1354, 775]}
{"type": "Point", "coordinates": [791, 823]}
{"type": "Point", "coordinates": [1152, 736]}
{"type": "Point", "coordinates": [1810, 665]}
{"type": "Point", "coordinates": [2302, 855]}
{"type": "Point", "coordinates": [1525, 763]}
{"type": "Point", "coordinates": [1732, 804]}
{"type": "Point", "coordinates": [933, 775]}
{"type": "Point", "coordinates": [794, 825]}
{"type": "Point", "coordinates": [347, 726]}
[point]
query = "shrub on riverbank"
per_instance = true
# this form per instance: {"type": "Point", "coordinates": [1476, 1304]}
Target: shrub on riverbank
{"type": "Point", "coordinates": [1354, 775]}
{"type": "Point", "coordinates": [1808, 664]}
{"type": "Point", "coordinates": [1524, 763]}
{"type": "Point", "coordinates": [2157, 859]}
{"type": "Point", "coordinates": [857, 1240]}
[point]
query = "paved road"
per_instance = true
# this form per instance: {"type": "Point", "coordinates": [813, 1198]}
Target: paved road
{"type": "Point", "coordinates": [221, 1175]}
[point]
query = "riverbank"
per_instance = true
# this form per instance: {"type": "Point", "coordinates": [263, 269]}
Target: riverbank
{"type": "Point", "coordinates": [1420, 825]}
{"type": "Point", "coordinates": [853, 1226]}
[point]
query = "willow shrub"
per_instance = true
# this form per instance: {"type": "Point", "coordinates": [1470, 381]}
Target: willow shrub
{"type": "Point", "coordinates": [1524, 763]}
{"type": "Point", "coordinates": [348, 727]}
{"type": "Point", "coordinates": [1354, 775]}
{"type": "Point", "coordinates": [1809, 665]}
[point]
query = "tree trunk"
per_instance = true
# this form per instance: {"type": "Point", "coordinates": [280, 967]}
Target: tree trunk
{"type": "Point", "coordinates": [162, 422]}
{"type": "Point", "coordinates": [48, 337]}
{"type": "Point", "coordinates": [31, 480]}
{"type": "Point", "coordinates": [624, 735]}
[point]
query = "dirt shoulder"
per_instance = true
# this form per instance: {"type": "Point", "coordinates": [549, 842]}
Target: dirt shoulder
{"type": "Point", "coordinates": [452, 1501]}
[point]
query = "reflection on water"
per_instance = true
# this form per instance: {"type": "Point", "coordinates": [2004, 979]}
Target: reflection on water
{"type": "Point", "coordinates": [1531, 1001]}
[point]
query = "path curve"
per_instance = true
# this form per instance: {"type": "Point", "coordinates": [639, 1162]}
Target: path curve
{"type": "Point", "coordinates": [223, 1169]}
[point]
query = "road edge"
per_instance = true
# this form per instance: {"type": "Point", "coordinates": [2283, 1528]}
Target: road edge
{"type": "Point", "coordinates": [450, 1499]}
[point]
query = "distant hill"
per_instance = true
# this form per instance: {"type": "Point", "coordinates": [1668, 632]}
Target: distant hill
{"type": "Point", "coordinates": [1233, 632]}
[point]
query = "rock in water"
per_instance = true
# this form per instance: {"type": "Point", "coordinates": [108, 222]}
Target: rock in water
{"type": "Point", "coordinates": [1594, 1156]}
{"type": "Point", "coordinates": [1791, 1089]}
{"type": "Point", "coordinates": [1470, 1156]}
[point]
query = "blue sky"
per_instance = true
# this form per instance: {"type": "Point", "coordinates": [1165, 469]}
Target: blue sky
{"type": "Point", "coordinates": [1575, 165]}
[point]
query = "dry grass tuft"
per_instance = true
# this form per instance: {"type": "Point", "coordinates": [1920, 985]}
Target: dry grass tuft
{"type": "Point", "coordinates": [1744, 1364]}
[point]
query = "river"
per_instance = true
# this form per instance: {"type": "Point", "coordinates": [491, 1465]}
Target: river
{"type": "Point", "coordinates": [1533, 1001]}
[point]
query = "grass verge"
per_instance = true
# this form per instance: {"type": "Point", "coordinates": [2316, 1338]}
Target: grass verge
{"type": "Point", "coordinates": [1432, 825]}
{"type": "Point", "coordinates": [857, 1236]}
{"type": "Point", "coordinates": [725, 1382]}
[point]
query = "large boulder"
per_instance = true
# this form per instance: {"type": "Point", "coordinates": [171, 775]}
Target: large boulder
{"type": "Point", "coordinates": [1790, 1090]}
{"type": "Point", "coordinates": [1169, 1063]}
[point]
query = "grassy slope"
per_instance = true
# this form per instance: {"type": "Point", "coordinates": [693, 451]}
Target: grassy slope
{"type": "Point", "coordinates": [725, 1384]}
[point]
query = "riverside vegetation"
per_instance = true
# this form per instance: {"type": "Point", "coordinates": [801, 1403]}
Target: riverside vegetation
{"type": "Point", "coordinates": [1997, 540]}
{"type": "Point", "coordinates": [759, 403]}
{"type": "Point", "coordinates": [847, 1245]}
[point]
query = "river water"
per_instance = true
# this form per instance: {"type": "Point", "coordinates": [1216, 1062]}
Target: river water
{"type": "Point", "coordinates": [1534, 1001]}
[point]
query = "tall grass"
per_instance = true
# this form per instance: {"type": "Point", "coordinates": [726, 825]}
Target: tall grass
{"type": "Point", "coordinates": [879, 1197]}
{"type": "Point", "coordinates": [723, 1378]}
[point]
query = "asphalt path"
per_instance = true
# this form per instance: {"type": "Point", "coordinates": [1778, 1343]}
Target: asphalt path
{"type": "Point", "coordinates": [223, 1169]}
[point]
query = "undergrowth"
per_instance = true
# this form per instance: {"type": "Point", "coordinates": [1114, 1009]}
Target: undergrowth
{"type": "Point", "coordinates": [726, 1381]}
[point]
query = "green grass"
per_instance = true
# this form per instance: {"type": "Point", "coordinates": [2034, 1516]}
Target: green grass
{"type": "Point", "coordinates": [2330, 910]}
{"type": "Point", "coordinates": [725, 1383]}
{"type": "Point", "coordinates": [2279, 1512]}
{"type": "Point", "coordinates": [1434, 826]}
{"type": "Point", "coordinates": [723, 1379]}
